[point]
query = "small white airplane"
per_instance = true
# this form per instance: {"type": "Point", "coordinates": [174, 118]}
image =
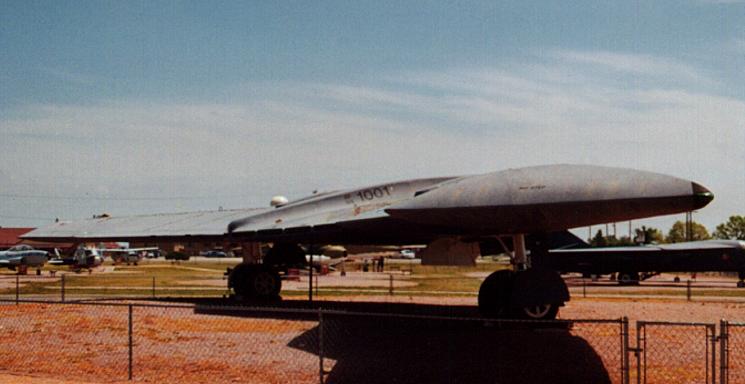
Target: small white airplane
{"type": "Point", "coordinates": [407, 254]}
{"type": "Point", "coordinates": [23, 255]}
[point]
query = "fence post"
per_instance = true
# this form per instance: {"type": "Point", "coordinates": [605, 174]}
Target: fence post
{"type": "Point", "coordinates": [17, 288]}
{"type": "Point", "coordinates": [320, 346]}
{"type": "Point", "coordinates": [625, 368]}
{"type": "Point", "coordinates": [688, 290]}
{"type": "Point", "coordinates": [129, 343]}
{"type": "Point", "coordinates": [62, 288]}
{"type": "Point", "coordinates": [310, 278]}
{"type": "Point", "coordinates": [713, 354]}
{"type": "Point", "coordinates": [723, 351]}
{"type": "Point", "coordinates": [584, 287]}
{"type": "Point", "coordinates": [390, 284]}
{"type": "Point", "coordinates": [641, 350]}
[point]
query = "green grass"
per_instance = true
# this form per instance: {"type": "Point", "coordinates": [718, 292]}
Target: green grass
{"type": "Point", "coordinates": [186, 279]}
{"type": "Point", "coordinates": [181, 279]}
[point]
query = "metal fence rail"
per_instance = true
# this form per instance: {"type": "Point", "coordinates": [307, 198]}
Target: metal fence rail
{"type": "Point", "coordinates": [78, 286]}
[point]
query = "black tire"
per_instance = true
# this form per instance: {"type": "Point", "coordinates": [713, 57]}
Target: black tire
{"type": "Point", "coordinates": [538, 312]}
{"type": "Point", "coordinates": [255, 281]}
{"type": "Point", "coordinates": [538, 293]}
{"type": "Point", "coordinates": [239, 280]}
{"type": "Point", "coordinates": [494, 294]}
{"type": "Point", "coordinates": [265, 283]}
{"type": "Point", "coordinates": [628, 278]}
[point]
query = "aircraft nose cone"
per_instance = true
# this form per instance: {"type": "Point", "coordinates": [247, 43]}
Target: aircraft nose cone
{"type": "Point", "coordinates": [701, 196]}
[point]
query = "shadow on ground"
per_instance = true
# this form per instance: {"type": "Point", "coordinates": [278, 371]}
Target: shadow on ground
{"type": "Point", "coordinates": [373, 343]}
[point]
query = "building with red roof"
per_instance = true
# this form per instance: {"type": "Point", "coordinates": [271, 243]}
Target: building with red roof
{"type": "Point", "coordinates": [12, 236]}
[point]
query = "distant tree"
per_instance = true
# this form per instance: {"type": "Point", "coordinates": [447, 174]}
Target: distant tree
{"type": "Point", "coordinates": [624, 241]}
{"type": "Point", "coordinates": [599, 240]}
{"type": "Point", "coordinates": [734, 228]}
{"type": "Point", "coordinates": [609, 241]}
{"type": "Point", "coordinates": [649, 235]}
{"type": "Point", "coordinates": [677, 233]}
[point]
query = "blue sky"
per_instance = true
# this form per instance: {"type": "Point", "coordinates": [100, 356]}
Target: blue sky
{"type": "Point", "coordinates": [134, 107]}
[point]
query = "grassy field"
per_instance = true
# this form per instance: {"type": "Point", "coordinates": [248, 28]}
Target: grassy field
{"type": "Point", "coordinates": [205, 278]}
{"type": "Point", "coordinates": [182, 279]}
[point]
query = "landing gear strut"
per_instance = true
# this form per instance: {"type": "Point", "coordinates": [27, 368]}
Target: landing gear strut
{"type": "Point", "coordinates": [529, 293]}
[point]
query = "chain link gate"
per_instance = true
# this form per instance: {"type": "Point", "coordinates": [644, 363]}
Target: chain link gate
{"type": "Point", "coordinates": [689, 348]}
{"type": "Point", "coordinates": [732, 348]}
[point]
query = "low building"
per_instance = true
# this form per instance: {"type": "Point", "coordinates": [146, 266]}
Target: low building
{"type": "Point", "coordinates": [12, 236]}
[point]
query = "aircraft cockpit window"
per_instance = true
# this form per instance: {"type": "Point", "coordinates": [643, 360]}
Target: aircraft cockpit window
{"type": "Point", "coordinates": [21, 247]}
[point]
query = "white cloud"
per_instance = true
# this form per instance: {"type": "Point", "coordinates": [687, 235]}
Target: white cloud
{"type": "Point", "coordinates": [72, 77]}
{"type": "Point", "coordinates": [634, 63]}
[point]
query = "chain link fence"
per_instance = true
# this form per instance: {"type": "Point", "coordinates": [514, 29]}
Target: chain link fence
{"type": "Point", "coordinates": [684, 353]}
{"type": "Point", "coordinates": [364, 348]}
{"type": "Point", "coordinates": [116, 342]}
{"type": "Point", "coordinates": [81, 342]}
{"type": "Point", "coordinates": [69, 286]}
{"type": "Point", "coordinates": [733, 352]}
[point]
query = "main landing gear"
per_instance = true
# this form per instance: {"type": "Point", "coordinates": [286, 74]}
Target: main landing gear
{"type": "Point", "coordinates": [535, 293]}
{"type": "Point", "coordinates": [262, 282]}
{"type": "Point", "coordinates": [255, 281]}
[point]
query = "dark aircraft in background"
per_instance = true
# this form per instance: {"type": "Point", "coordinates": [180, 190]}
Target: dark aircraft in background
{"type": "Point", "coordinates": [632, 264]}
{"type": "Point", "coordinates": [83, 258]}
{"type": "Point", "coordinates": [450, 215]}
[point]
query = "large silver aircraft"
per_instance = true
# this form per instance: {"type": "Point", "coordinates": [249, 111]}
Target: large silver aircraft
{"type": "Point", "coordinates": [23, 255]}
{"type": "Point", "coordinates": [448, 214]}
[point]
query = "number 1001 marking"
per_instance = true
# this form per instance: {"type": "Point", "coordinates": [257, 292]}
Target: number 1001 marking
{"type": "Point", "coordinates": [374, 193]}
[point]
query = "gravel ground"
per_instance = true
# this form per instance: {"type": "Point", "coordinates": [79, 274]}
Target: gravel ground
{"type": "Point", "coordinates": [48, 344]}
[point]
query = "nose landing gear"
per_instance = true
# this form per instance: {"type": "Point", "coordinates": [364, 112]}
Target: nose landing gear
{"type": "Point", "coordinates": [533, 293]}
